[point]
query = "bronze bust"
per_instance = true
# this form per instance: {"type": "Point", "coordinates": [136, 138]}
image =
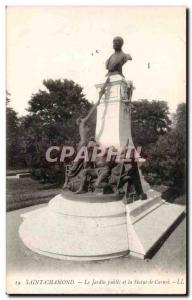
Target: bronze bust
{"type": "Point", "coordinates": [117, 59]}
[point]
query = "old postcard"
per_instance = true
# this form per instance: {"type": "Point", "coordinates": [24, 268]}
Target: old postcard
{"type": "Point", "coordinates": [96, 150]}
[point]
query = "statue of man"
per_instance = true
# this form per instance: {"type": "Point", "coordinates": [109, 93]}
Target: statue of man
{"type": "Point", "coordinates": [117, 59]}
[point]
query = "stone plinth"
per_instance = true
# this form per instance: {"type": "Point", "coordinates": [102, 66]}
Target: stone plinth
{"type": "Point", "coordinates": [77, 227]}
{"type": "Point", "coordinates": [150, 222]}
{"type": "Point", "coordinates": [96, 227]}
{"type": "Point", "coordinates": [113, 114]}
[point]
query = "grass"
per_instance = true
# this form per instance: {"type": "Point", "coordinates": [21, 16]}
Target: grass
{"type": "Point", "coordinates": [25, 192]}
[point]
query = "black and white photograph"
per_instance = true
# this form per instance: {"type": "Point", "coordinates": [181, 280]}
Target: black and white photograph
{"type": "Point", "coordinates": [96, 143]}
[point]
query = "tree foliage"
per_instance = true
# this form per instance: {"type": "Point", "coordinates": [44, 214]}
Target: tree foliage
{"type": "Point", "coordinates": [12, 127]}
{"type": "Point", "coordinates": [57, 108]}
{"type": "Point", "coordinates": [52, 122]}
{"type": "Point", "coordinates": [166, 159]}
{"type": "Point", "coordinates": [150, 119]}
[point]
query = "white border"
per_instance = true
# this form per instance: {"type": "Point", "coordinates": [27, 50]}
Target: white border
{"type": "Point", "coordinates": [3, 4]}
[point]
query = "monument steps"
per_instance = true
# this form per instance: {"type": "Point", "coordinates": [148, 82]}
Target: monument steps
{"type": "Point", "coordinates": [145, 233]}
{"type": "Point", "coordinates": [87, 235]}
{"type": "Point", "coordinates": [138, 209]}
{"type": "Point", "coordinates": [98, 231]}
{"type": "Point", "coordinates": [64, 204]}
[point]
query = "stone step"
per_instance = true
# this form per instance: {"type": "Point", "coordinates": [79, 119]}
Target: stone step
{"type": "Point", "coordinates": [139, 208]}
{"type": "Point", "coordinates": [149, 230]}
{"type": "Point", "coordinates": [82, 230]}
{"type": "Point", "coordinates": [62, 205]}
{"type": "Point", "coordinates": [61, 236]}
{"type": "Point", "coordinates": [136, 217]}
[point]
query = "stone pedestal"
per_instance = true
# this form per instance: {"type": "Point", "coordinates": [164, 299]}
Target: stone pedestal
{"type": "Point", "coordinates": [113, 114]}
{"type": "Point", "coordinates": [96, 226]}
{"type": "Point", "coordinates": [150, 222]}
{"type": "Point", "coordinates": [77, 227]}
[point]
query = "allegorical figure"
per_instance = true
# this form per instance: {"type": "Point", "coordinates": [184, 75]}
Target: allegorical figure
{"type": "Point", "coordinates": [83, 132]}
{"type": "Point", "coordinates": [117, 59]}
{"type": "Point", "coordinates": [82, 122]}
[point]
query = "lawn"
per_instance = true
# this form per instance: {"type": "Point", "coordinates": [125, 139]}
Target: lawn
{"type": "Point", "coordinates": [25, 192]}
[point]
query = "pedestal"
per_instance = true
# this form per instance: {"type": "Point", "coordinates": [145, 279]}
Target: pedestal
{"type": "Point", "coordinates": [113, 126]}
{"type": "Point", "coordinates": [97, 227]}
{"type": "Point", "coordinates": [77, 227]}
{"type": "Point", "coordinates": [150, 222]}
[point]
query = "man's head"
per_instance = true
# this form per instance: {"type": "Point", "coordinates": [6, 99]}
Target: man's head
{"type": "Point", "coordinates": [117, 43]}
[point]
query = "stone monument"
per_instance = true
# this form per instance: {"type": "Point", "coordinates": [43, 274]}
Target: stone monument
{"type": "Point", "coordinates": [105, 209]}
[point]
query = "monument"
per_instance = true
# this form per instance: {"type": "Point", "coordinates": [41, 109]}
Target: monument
{"type": "Point", "coordinates": [106, 209]}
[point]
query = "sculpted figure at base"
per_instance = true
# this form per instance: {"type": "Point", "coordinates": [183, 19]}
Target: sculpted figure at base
{"type": "Point", "coordinates": [82, 123]}
{"type": "Point", "coordinates": [84, 139]}
{"type": "Point", "coordinates": [99, 172]}
{"type": "Point", "coordinates": [126, 180]}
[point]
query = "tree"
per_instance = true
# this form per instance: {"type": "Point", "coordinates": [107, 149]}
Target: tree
{"type": "Point", "coordinates": [166, 159]}
{"type": "Point", "coordinates": [52, 120]}
{"type": "Point", "coordinates": [58, 108]}
{"type": "Point", "coordinates": [150, 119]}
{"type": "Point", "coordinates": [12, 126]}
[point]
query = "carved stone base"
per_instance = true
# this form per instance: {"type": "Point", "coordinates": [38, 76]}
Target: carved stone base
{"type": "Point", "coordinates": [77, 227]}
{"type": "Point", "coordinates": [95, 226]}
{"type": "Point", "coordinates": [150, 222]}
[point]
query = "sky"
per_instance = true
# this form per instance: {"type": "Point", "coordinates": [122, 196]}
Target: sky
{"type": "Point", "coordinates": [57, 42]}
